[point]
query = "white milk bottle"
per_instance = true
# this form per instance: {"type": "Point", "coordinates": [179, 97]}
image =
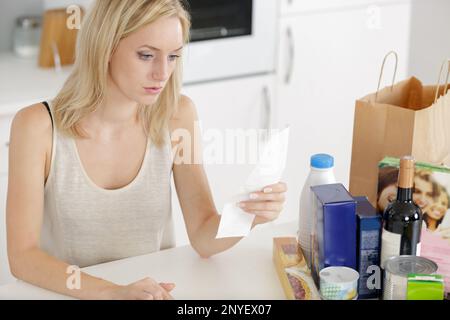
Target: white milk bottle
{"type": "Point", "coordinates": [321, 172]}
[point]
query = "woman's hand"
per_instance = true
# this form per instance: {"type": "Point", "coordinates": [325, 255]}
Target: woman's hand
{"type": "Point", "coordinates": [145, 289]}
{"type": "Point", "coordinates": [267, 204]}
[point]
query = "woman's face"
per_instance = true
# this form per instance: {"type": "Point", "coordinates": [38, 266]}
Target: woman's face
{"type": "Point", "coordinates": [423, 193]}
{"type": "Point", "coordinates": [387, 195]}
{"type": "Point", "coordinates": [439, 208]}
{"type": "Point", "coordinates": [145, 60]}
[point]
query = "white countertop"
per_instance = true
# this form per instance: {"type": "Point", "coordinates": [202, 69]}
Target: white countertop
{"type": "Point", "coordinates": [23, 83]}
{"type": "Point", "coordinates": [246, 271]}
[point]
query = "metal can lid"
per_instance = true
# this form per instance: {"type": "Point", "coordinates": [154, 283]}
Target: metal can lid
{"type": "Point", "coordinates": [404, 265]}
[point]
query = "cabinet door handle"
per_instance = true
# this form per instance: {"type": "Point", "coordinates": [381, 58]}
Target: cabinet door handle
{"type": "Point", "coordinates": [267, 111]}
{"type": "Point", "coordinates": [7, 144]}
{"type": "Point", "coordinates": [291, 56]}
{"type": "Point", "coordinates": [267, 108]}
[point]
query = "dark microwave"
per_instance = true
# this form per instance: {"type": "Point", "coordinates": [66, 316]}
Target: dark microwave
{"type": "Point", "coordinates": [219, 19]}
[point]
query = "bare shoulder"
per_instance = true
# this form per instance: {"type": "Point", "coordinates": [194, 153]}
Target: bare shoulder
{"type": "Point", "coordinates": [185, 119]}
{"type": "Point", "coordinates": [34, 117]}
{"type": "Point", "coordinates": [32, 126]}
{"type": "Point", "coordinates": [186, 112]}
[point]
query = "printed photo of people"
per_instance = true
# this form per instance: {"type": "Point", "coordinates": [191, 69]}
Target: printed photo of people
{"type": "Point", "coordinates": [431, 194]}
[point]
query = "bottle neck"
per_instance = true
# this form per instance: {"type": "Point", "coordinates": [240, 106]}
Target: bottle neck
{"type": "Point", "coordinates": [404, 194]}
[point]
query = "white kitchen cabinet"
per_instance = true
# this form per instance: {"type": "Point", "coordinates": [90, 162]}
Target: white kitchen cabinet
{"type": "Point", "coordinates": [245, 103]}
{"type": "Point", "coordinates": [5, 275]}
{"type": "Point", "coordinates": [327, 60]}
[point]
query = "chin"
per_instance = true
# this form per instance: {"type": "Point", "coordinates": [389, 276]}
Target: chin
{"type": "Point", "coordinates": [148, 100]}
{"type": "Point", "coordinates": [436, 217]}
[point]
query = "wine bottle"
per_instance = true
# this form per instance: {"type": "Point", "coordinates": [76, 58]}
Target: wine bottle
{"type": "Point", "coordinates": [402, 218]}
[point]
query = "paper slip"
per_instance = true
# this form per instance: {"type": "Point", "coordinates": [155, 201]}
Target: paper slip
{"type": "Point", "coordinates": [234, 221]}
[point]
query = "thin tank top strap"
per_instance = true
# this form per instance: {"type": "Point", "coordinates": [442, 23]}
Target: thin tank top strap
{"type": "Point", "coordinates": [45, 103]}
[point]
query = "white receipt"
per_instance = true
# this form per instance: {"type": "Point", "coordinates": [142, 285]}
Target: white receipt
{"type": "Point", "coordinates": [235, 222]}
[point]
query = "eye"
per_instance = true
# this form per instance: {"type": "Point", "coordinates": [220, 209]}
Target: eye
{"type": "Point", "coordinates": [145, 56]}
{"type": "Point", "coordinates": [173, 57]}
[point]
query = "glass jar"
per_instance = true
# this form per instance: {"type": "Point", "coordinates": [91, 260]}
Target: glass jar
{"type": "Point", "coordinates": [27, 34]}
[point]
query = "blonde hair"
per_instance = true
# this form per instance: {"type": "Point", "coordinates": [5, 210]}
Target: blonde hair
{"type": "Point", "coordinates": [105, 25]}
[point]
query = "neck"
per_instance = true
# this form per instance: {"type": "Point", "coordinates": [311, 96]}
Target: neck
{"type": "Point", "coordinates": [432, 225]}
{"type": "Point", "coordinates": [117, 110]}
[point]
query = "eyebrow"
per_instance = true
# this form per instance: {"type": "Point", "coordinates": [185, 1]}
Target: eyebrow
{"type": "Point", "coordinates": [156, 49]}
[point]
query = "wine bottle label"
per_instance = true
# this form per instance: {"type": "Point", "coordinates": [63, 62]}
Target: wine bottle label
{"type": "Point", "coordinates": [390, 245]}
{"type": "Point", "coordinates": [418, 249]}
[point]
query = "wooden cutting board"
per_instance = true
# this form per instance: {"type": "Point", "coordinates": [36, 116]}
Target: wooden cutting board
{"type": "Point", "coordinates": [57, 36]}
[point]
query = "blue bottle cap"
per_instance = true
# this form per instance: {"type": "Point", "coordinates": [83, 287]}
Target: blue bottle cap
{"type": "Point", "coordinates": [322, 161]}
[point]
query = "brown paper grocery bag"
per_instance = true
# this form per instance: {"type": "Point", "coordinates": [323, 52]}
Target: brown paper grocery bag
{"type": "Point", "coordinates": [404, 119]}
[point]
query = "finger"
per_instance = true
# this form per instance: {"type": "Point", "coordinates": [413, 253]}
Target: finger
{"type": "Point", "coordinates": [261, 196]}
{"type": "Point", "coordinates": [167, 296]}
{"type": "Point", "coordinates": [146, 281]}
{"type": "Point", "coordinates": [260, 206]}
{"type": "Point", "coordinates": [167, 286]}
{"type": "Point", "coordinates": [146, 296]}
{"type": "Point", "coordinates": [268, 215]}
{"type": "Point", "coordinates": [277, 187]}
{"type": "Point", "coordinates": [159, 295]}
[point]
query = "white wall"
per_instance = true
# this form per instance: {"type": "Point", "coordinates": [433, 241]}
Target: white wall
{"type": "Point", "coordinates": [430, 41]}
{"type": "Point", "coordinates": [51, 4]}
{"type": "Point", "coordinates": [9, 11]}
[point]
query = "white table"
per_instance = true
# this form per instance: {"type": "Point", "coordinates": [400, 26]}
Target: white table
{"type": "Point", "coordinates": [245, 271]}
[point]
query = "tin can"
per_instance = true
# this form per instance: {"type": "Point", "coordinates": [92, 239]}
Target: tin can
{"type": "Point", "coordinates": [338, 283]}
{"type": "Point", "coordinates": [396, 273]}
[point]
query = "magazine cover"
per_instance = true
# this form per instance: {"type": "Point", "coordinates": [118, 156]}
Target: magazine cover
{"type": "Point", "coordinates": [431, 194]}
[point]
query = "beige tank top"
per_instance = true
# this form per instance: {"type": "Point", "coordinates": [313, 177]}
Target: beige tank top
{"type": "Point", "coordinates": [85, 224]}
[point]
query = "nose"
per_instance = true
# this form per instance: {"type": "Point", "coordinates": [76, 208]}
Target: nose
{"type": "Point", "coordinates": [160, 70]}
{"type": "Point", "coordinates": [421, 202]}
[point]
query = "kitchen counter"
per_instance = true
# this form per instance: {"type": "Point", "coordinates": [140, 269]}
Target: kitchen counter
{"type": "Point", "coordinates": [245, 271]}
{"type": "Point", "coordinates": [23, 83]}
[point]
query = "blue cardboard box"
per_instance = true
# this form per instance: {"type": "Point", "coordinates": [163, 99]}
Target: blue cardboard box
{"type": "Point", "coordinates": [369, 245]}
{"type": "Point", "coordinates": [334, 228]}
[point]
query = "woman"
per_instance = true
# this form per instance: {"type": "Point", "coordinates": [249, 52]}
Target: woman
{"type": "Point", "coordinates": [424, 186]}
{"type": "Point", "coordinates": [89, 178]}
{"type": "Point", "coordinates": [435, 215]}
{"type": "Point", "coordinates": [387, 187]}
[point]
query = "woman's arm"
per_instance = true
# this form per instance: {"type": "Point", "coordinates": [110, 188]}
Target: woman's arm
{"type": "Point", "coordinates": [31, 137]}
{"type": "Point", "coordinates": [196, 201]}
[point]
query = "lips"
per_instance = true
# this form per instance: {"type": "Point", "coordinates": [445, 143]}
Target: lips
{"type": "Point", "coordinates": [155, 87]}
{"type": "Point", "coordinates": [153, 90]}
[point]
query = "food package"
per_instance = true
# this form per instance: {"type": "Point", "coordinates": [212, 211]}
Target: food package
{"type": "Point", "coordinates": [294, 274]}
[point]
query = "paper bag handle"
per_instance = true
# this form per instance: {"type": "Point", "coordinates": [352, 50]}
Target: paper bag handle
{"type": "Point", "coordinates": [382, 70]}
{"type": "Point", "coordinates": [439, 79]}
